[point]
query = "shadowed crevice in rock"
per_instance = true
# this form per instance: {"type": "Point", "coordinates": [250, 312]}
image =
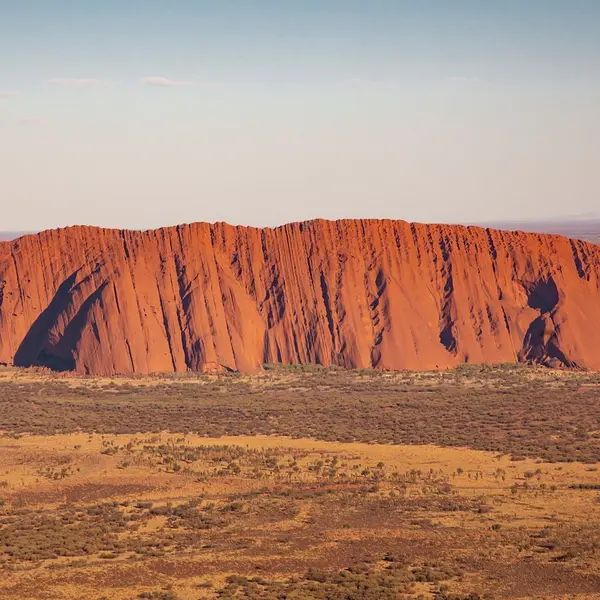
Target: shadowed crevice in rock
{"type": "Point", "coordinates": [31, 348]}
{"type": "Point", "coordinates": [540, 341]}
{"type": "Point", "coordinates": [327, 304]}
{"type": "Point", "coordinates": [539, 344]}
{"type": "Point", "coordinates": [40, 349]}
{"type": "Point", "coordinates": [72, 334]}
{"type": "Point", "coordinates": [543, 295]}
{"type": "Point", "coordinates": [447, 335]}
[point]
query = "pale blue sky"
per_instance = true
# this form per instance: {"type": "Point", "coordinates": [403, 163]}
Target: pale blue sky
{"type": "Point", "coordinates": [155, 112]}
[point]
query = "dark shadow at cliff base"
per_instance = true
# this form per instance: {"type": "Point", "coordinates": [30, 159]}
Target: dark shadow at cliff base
{"type": "Point", "coordinates": [34, 351]}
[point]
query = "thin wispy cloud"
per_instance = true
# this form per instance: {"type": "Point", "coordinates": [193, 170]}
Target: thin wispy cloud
{"type": "Point", "coordinates": [166, 82]}
{"type": "Point", "coordinates": [463, 78]}
{"type": "Point", "coordinates": [357, 81]}
{"type": "Point", "coordinates": [77, 83]}
{"type": "Point", "coordinates": [8, 94]}
{"type": "Point", "coordinates": [31, 121]}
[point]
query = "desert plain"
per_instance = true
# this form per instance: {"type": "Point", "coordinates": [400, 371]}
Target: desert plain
{"type": "Point", "coordinates": [305, 482]}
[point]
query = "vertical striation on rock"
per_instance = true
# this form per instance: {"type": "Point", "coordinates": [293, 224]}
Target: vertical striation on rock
{"type": "Point", "coordinates": [355, 293]}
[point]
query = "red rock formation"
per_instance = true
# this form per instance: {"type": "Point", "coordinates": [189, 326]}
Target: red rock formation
{"type": "Point", "coordinates": [363, 293]}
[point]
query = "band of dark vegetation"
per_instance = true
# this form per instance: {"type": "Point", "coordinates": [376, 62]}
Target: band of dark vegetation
{"type": "Point", "coordinates": [506, 409]}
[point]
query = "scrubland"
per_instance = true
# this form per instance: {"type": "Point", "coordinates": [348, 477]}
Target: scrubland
{"type": "Point", "coordinates": [301, 483]}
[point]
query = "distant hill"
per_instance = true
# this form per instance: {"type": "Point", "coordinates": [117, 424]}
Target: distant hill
{"type": "Point", "coordinates": [11, 235]}
{"type": "Point", "coordinates": [579, 228]}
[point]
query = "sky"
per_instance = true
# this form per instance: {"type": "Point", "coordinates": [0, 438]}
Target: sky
{"type": "Point", "coordinates": [146, 113]}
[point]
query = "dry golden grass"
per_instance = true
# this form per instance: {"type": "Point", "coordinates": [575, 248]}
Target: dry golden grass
{"type": "Point", "coordinates": [473, 514]}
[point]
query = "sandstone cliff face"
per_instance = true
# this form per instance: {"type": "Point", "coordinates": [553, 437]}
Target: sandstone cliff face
{"type": "Point", "coordinates": [362, 293]}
